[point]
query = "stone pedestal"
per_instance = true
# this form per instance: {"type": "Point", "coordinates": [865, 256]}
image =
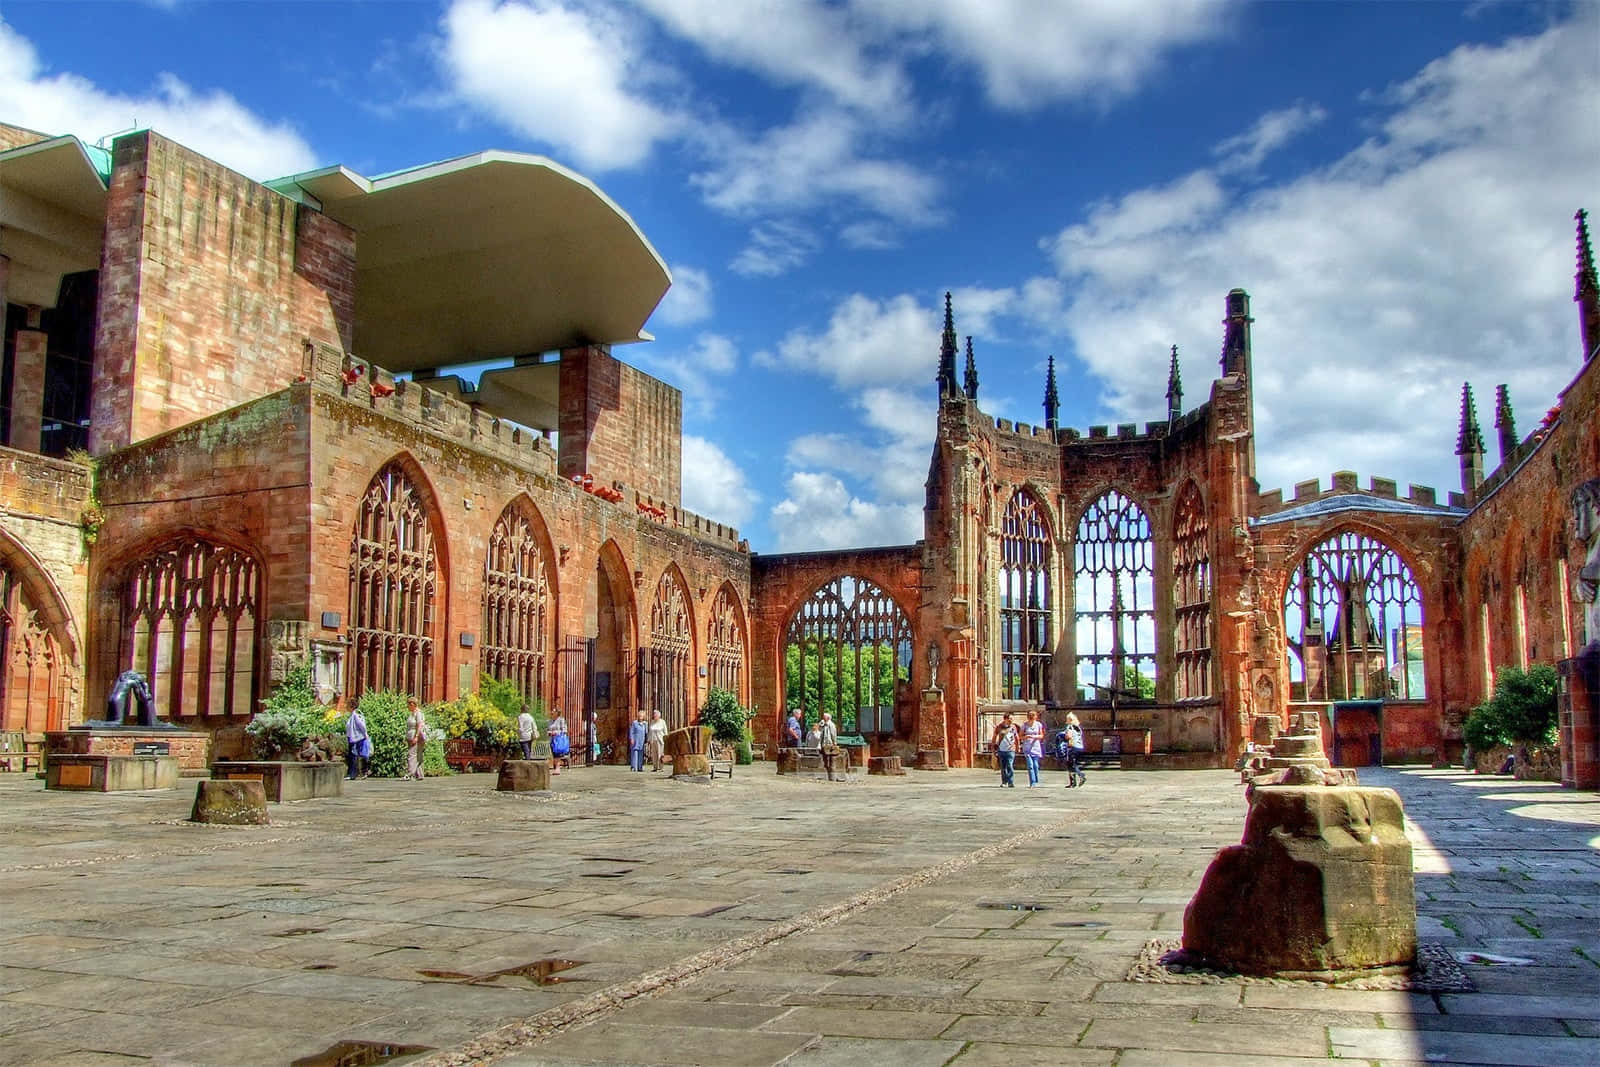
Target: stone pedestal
{"type": "Point", "coordinates": [931, 759]}
{"type": "Point", "coordinates": [97, 773]}
{"type": "Point", "coordinates": [788, 761]}
{"type": "Point", "coordinates": [687, 748]}
{"type": "Point", "coordinates": [887, 765]}
{"type": "Point", "coordinates": [230, 803]}
{"type": "Point", "coordinates": [284, 780]}
{"type": "Point", "coordinates": [690, 765]}
{"type": "Point", "coordinates": [1321, 884]}
{"type": "Point", "coordinates": [524, 775]}
{"type": "Point", "coordinates": [191, 748]}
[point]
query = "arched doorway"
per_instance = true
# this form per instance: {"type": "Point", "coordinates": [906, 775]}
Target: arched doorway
{"type": "Point", "coordinates": [599, 670]}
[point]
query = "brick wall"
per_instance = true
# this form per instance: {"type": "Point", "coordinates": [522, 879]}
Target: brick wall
{"type": "Point", "coordinates": [619, 424]}
{"type": "Point", "coordinates": [209, 283]}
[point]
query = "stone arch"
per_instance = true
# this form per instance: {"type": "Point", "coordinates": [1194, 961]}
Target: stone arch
{"type": "Point", "coordinates": [1351, 595]}
{"type": "Point", "coordinates": [1115, 639]}
{"type": "Point", "coordinates": [1028, 573]}
{"type": "Point", "coordinates": [728, 643]}
{"type": "Point", "coordinates": [39, 643]}
{"type": "Point", "coordinates": [603, 668]}
{"type": "Point", "coordinates": [399, 584]}
{"type": "Point", "coordinates": [1192, 591]}
{"type": "Point", "coordinates": [192, 619]}
{"type": "Point", "coordinates": [847, 649]}
{"type": "Point", "coordinates": [520, 602]}
{"type": "Point", "coordinates": [673, 649]}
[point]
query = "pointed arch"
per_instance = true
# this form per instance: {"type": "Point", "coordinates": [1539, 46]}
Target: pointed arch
{"type": "Point", "coordinates": [519, 601]}
{"type": "Point", "coordinates": [1027, 624]}
{"type": "Point", "coordinates": [727, 643]}
{"type": "Point", "coordinates": [397, 584]}
{"type": "Point", "coordinates": [191, 622]}
{"type": "Point", "coordinates": [38, 641]}
{"type": "Point", "coordinates": [672, 647]}
{"type": "Point", "coordinates": [847, 651]}
{"type": "Point", "coordinates": [1191, 595]}
{"type": "Point", "coordinates": [1353, 622]}
{"type": "Point", "coordinates": [1114, 591]}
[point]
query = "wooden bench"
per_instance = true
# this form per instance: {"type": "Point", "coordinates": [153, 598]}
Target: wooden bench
{"type": "Point", "coordinates": [18, 749]}
{"type": "Point", "coordinates": [720, 757]}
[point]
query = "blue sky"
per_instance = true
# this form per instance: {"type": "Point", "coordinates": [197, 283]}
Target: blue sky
{"type": "Point", "coordinates": [1394, 184]}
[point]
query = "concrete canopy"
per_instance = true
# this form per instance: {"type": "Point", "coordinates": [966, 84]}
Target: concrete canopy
{"type": "Point", "coordinates": [52, 217]}
{"type": "Point", "coordinates": [487, 256]}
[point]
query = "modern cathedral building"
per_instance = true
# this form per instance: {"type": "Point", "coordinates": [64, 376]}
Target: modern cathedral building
{"type": "Point", "coordinates": [211, 473]}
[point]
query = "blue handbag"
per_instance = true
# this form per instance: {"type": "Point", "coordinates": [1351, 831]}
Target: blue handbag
{"type": "Point", "coordinates": [559, 745]}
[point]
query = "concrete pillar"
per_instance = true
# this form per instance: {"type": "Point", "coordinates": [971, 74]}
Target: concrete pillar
{"type": "Point", "coordinates": [27, 384]}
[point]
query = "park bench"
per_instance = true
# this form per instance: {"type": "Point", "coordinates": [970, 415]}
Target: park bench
{"type": "Point", "coordinates": [720, 758]}
{"type": "Point", "coordinates": [18, 749]}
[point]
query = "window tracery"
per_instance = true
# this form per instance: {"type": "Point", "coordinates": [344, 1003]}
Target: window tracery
{"type": "Point", "coordinates": [190, 625]}
{"type": "Point", "coordinates": [1027, 633]}
{"type": "Point", "coordinates": [671, 643]}
{"type": "Point", "coordinates": [1191, 597]}
{"type": "Point", "coordinates": [31, 678]}
{"type": "Point", "coordinates": [725, 644]}
{"type": "Point", "coordinates": [394, 585]}
{"type": "Point", "coordinates": [516, 605]}
{"type": "Point", "coordinates": [1353, 616]}
{"type": "Point", "coordinates": [847, 649]}
{"type": "Point", "coordinates": [1114, 583]}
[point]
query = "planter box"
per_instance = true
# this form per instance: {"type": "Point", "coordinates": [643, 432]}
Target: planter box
{"type": "Point", "coordinates": [285, 780]}
{"type": "Point", "coordinates": [95, 773]}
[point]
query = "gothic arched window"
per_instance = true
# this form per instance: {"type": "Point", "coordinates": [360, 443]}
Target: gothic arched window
{"type": "Point", "coordinates": [1026, 630]}
{"type": "Point", "coordinates": [1352, 615]}
{"type": "Point", "coordinates": [671, 644]}
{"type": "Point", "coordinates": [32, 676]}
{"type": "Point", "coordinates": [1191, 597]}
{"type": "Point", "coordinates": [516, 604]}
{"type": "Point", "coordinates": [394, 585]}
{"type": "Point", "coordinates": [190, 624]}
{"type": "Point", "coordinates": [725, 644]}
{"type": "Point", "coordinates": [1115, 594]}
{"type": "Point", "coordinates": [847, 650]}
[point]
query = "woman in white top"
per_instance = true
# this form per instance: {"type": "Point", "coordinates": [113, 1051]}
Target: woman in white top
{"type": "Point", "coordinates": [655, 744]}
{"type": "Point", "coordinates": [560, 743]}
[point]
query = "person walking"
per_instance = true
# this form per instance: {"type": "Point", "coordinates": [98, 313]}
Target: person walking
{"type": "Point", "coordinates": [416, 738]}
{"type": "Point", "coordinates": [638, 734]}
{"type": "Point", "coordinates": [527, 732]}
{"type": "Point", "coordinates": [828, 742]}
{"type": "Point", "coordinates": [1005, 750]}
{"type": "Point", "coordinates": [1033, 746]}
{"type": "Point", "coordinates": [656, 739]}
{"type": "Point", "coordinates": [358, 746]}
{"type": "Point", "coordinates": [560, 743]}
{"type": "Point", "coordinates": [1074, 751]}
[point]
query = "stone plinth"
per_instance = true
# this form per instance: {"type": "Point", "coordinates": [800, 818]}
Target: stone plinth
{"type": "Point", "coordinates": [283, 780]}
{"type": "Point", "coordinates": [99, 773]}
{"type": "Point", "coordinates": [788, 761]}
{"type": "Point", "coordinates": [191, 748]}
{"type": "Point", "coordinates": [1322, 883]}
{"type": "Point", "coordinates": [230, 803]}
{"type": "Point", "coordinates": [887, 765]}
{"type": "Point", "coordinates": [687, 748]}
{"type": "Point", "coordinates": [523, 775]}
{"type": "Point", "coordinates": [932, 759]}
{"type": "Point", "coordinates": [690, 765]}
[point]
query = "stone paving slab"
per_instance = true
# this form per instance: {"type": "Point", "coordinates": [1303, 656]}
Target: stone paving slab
{"type": "Point", "coordinates": [853, 934]}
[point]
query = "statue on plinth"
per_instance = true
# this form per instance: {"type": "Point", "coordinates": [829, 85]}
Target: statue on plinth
{"type": "Point", "coordinates": [130, 686]}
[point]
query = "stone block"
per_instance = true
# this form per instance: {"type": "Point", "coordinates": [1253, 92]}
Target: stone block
{"type": "Point", "coordinates": [523, 775]}
{"type": "Point", "coordinates": [230, 803]}
{"type": "Point", "coordinates": [285, 780]}
{"type": "Point", "coordinates": [97, 773]}
{"type": "Point", "coordinates": [1322, 882]}
{"type": "Point", "coordinates": [887, 765]}
{"type": "Point", "coordinates": [690, 765]}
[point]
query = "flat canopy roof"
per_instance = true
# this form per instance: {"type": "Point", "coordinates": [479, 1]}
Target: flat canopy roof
{"type": "Point", "coordinates": [52, 215]}
{"type": "Point", "coordinates": [493, 255]}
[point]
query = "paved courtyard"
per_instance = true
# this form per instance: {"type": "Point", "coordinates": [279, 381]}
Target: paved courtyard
{"type": "Point", "coordinates": [630, 919]}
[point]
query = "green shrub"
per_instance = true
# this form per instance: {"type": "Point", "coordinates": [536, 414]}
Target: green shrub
{"type": "Point", "coordinates": [472, 717]}
{"type": "Point", "coordinates": [386, 715]}
{"type": "Point", "coordinates": [290, 715]}
{"type": "Point", "coordinates": [723, 714]}
{"type": "Point", "coordinates": [1521, 711]}
{"type": "Point", "coordinates": [1483, 729]}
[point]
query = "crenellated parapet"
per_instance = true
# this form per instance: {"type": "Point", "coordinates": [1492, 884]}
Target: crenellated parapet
{"type": "Point", "coordinates": [1345, 485]}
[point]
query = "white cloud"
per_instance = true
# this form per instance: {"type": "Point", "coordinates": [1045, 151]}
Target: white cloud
{"type": "Point", "coordinates": [212, 123]}
{"type": "Point", "coordinates": [1437, 251]}
{"type": "Point", "coordinates": [574, 77]}
{"type": "Point", "coordinates": [714, 485]}
{"type": "Point", "coordinates": [1028, 53]}
{"type": "Point", "coordinates": [689, 299]}
{"type": "Point", "coordinates": [867, 342]}
{"type": "Point", "coordinates": [819, 512]}
{"type": "Point", "coordinates": [1246, 151]}
{"type": "Point", "coordinates": [776, 247]}
{"type": "Point", "coordinates": [791, 42]}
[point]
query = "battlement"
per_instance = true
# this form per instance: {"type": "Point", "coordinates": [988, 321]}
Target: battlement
{"type": "Point", "coordinates": [363, 382]}
{"type": "Point", "coordinates": [1347, 483]}
{"type": "Point", "coordinates": [1124, 431]}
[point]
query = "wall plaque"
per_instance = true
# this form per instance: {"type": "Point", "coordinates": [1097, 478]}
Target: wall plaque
{"type": "Point", "coordinates": [152, 748]}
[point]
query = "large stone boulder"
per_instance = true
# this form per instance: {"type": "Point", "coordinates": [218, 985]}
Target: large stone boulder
{"type": "Point", "coordinates": [230, 802]}
{"type": "Point", "coordinates": [1322, 883]}
{"type": "Point", "coordinates": [523, 775]}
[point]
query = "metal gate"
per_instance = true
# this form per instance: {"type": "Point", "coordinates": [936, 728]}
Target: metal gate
{"type": "Point", "coordinates": [577, 694]}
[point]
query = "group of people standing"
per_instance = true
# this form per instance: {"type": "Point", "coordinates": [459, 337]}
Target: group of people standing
{"type": "Point", "coordinates": [1011, 739]}
{"type": "Point", "coordinates": [823, 736]}
{"type": "Point", "coordinates": [646, 738]}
